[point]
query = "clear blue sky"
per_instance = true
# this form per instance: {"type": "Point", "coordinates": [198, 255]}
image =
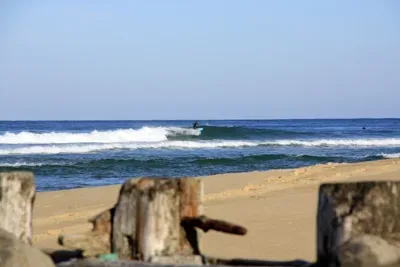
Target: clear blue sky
{"type": "Point", "coordinates": [199, 59]}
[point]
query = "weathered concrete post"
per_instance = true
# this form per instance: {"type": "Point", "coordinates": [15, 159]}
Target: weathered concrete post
{"type": "Point", "coordinates": [358, 224]}
{"type": "Point", "coordinates": [17, 194]}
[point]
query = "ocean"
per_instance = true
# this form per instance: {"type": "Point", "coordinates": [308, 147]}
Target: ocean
{"type": "Point", "coordinates": [73, 154]}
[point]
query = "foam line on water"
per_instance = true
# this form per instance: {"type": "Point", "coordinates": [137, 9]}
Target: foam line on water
{"type": "Point", "coordinates": [31, 164]}
{"type": "Point", "coordinates": [90, 148]}
{"type": "Point", "coordinates": [82, 149]}
{"type": "Point", "coordinates": [383, 142]}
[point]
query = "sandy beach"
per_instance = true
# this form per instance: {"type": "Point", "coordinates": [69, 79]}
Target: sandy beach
{"type": "Point", "coordinates": [278, 207]}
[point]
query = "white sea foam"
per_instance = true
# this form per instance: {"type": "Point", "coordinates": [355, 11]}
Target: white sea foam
{"type": "Point", "coordinates": [390, 156]}
{"type": "Point", "coordinates": [151, 138]}
{"type": "Point", "coordinates": [90, 148]}
{"type": "Point", "coordinates": [384, 142]}
{"type": "Point", "coordinates": [82, 149]}
{"type": "Point", "coordinates": [145, 134]}
{"type": "Point", "coordinates": [30, 164]}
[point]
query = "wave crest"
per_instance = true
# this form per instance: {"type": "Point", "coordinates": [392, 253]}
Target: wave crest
{"type": "Point", "coordinates": [390, 156]}
{"type": "Point", "coordinates": [145, 134]}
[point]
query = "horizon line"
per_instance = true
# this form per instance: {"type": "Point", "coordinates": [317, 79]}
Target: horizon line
{"type": "Point", "coordinates": [229, 119]}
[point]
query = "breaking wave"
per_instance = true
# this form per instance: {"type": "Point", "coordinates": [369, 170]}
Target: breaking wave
{"type": "Point", "coordinates": [390, 156]}
{"type": "Point", "coordinates": [145, 134]}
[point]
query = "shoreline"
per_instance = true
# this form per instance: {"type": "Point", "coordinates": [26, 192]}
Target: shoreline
{"type": "Point", "coordinates": [226, 173]}
{"type": "Point", "coordinates": [277, 206]}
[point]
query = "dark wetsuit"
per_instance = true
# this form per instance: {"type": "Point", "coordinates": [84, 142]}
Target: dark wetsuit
{"type": "Point", "coordinates": [195, 125]}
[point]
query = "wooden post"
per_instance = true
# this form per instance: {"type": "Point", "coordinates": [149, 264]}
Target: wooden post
{"type": "Point", "coordinates": [17, 193]}
{"type": "Point", "coordinates": [147, 217]}
{"type": "Point", "coordinates": [148, 214]}
{"type": "Point", "coordinates": [358, 224]}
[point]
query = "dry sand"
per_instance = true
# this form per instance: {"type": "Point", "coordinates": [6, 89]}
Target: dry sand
{"type": "Point", "coordinates": [278, 208]}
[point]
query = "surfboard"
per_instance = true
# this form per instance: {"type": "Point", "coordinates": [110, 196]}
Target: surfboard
{"type": "Point", "coordinates": [198, 128]}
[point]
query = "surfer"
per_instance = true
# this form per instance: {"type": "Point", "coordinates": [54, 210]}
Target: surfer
{"type": "Point", "coordinates": [195, 124]}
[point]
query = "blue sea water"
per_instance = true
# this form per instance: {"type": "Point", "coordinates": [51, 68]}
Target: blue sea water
{"type": "Point", "coordinates": [72, 154]}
